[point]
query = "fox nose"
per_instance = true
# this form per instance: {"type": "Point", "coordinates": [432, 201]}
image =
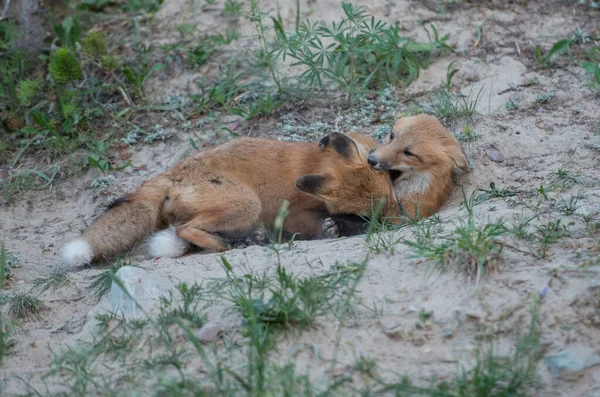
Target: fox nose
{"type": "Point", "coordinates": [372, 160]}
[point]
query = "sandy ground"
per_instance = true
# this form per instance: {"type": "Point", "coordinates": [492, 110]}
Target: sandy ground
{"type": "Point", "coordinates": [536, 140]}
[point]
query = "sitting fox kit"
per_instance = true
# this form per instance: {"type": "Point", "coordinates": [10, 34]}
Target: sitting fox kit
{"type": "Point", "coordinates": [420, 156]}
{"type": "Point", "coordinates": [236, 187]}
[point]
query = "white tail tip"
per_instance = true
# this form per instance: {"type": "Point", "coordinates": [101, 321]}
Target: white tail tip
{"type": "Point", "coordinates": [166, 244]}
{"type": "Point", "coordinates": [77, 253]}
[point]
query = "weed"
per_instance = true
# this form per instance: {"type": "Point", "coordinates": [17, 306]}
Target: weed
{"type": "Point", "coordinates": [188, 310]}
{"type": "Point", "coordinates": [450, 72]}
{"type": "Point", "coordinates": [558, 47]}
{"type": "Point", "coordinates": [548, 234]}
{"type": "Point", "coordinates": [3, 266]}
{"type": "Point", "coordinates": [73, 366]}
{"type": "Point", "coordinates": [363, 53]}
{"type": "Point", "coordinates": [594, 70]}
{"type": "Point", "coordinates": [512, 104]}
{"type": "Point", "coordinates": [566, 179]}
{"type": "Point", "coordinates": [569, 207]}
{"type": "Point", "coordinates": [544, 97]}
{"type": "Point", "coordinates": [54, 280]}
{"type": "Point", "coordinates": [8, 261]}
{"type": "Point", "coordinates": [101, 282]}
{"type": "Point", "coordinates": [483, 195]}
{"type": "Point", "coordinates": [23, 306]}
{"type": "Point", "coordinates": [137, 77]}
{"type": "Point", "coordinates": [472, 249]}
{"type": "Point", "coordinates": [453, 106]}
{"type": "Point", "coordinates": [233, 7]}
{"type": "Point", "coordinates": [7, 328]}
{"type": "Point", "coordinates": [467, 135]}
{"type": "Point", "coordinates": [294, 301]}
{"type": "Point", "coordinates": [380, 233]}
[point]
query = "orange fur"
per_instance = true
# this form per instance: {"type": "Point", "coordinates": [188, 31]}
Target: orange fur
{"type": "Point", "coordinates": [243, 183]}
{"type": "Point", "coordinates": [420, 156]}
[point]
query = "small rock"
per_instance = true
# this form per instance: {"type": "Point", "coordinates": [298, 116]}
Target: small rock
{"type": "Point", "coordinates": [412, 309]}
{"type": "Point", "coordinates": [475, 315]}
{"type": "Point", "coordinates": [145, 289]}
{"type": "Point", "coordinates": [209, 332]}
{"type": "Point", "coordinates": [447, 333]}
{"type": "Point", "coordinates": [495, 155]}
{"type": "Point", "coordinates": [397, 331]}
{"type": "Point", "coordinates": [571, 361]}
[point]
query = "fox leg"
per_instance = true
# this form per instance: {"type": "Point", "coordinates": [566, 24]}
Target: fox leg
{"type": "Point", "coordinates": [240, 213]}
{"type": "Point", "coordinates": [228, 206]}
{"type": "Point", "coordinates": [306, 223]}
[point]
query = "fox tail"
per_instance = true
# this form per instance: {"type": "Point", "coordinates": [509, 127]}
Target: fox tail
{"type": "Point", "coordinates": [126, 222]}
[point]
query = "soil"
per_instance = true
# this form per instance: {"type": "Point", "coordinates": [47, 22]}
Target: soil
{"type": "Point", "coordinates": [536, 140]}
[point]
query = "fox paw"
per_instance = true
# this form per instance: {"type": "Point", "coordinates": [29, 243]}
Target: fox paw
{"type": "Point", "coordinates": [330, 228]}
{"type": "Point", "coordinates": [259, 236]}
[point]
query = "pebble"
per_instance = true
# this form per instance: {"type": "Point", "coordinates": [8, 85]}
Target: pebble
{"type": "Point", "coordinates": [571, 361]}
{"type": "Point", "coordinates": [209, 332]}
{"type": "Point", "coordinates": [495, 155]}
{"type": "Point", "coordinates": [447, 332]}
{"type": "Point", "coordinates": [145, 290]}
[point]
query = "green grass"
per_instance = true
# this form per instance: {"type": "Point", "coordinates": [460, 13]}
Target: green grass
{"type": "Point", "coordinates": [55, 279]}
{"type": "Point", "coordinates": [101, 283]}
{"type": "Point", "coordinates": [7, 328]}
{"type": "Point", "coordinates": [473, 249]}
{"type": "Point", "coordinates": [450, 106]}
{"type": "Point", "coordinates": [23, 306]}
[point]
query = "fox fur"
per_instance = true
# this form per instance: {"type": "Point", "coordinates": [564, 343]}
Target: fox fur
{"type": "Point", "coordinates": [420, 156]}
{"type": "Point", "coordinates": [236, 187]}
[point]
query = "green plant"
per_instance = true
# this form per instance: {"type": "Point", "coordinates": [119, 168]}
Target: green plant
{"type": "Point", "coordinates": [558, 47]}
{"type": "Point", "coordinates": [68, 32]}
{"type": "Point", "coordinates": [137, 77]}
{"type": "Point", "coordinates": [54, 280]}
{"type": "Point", "coordinates": [3, 266]}
{"type": "Point", "coordinates": [7, 328]}
{"type": "Point", "coordinates": [94, 45]}
{"type": "Point", "coordinates": [594, 69]}
{"type": "Point", "coordinates": [188, 310]}
{"type": "Point", "coordinates": [101, 282]}
{"type": "Point", "coordinates": [380, 236]}
{"type": "Point", "coordinates": [453, 106]}
{"type": "Point", "coordinates": [233, 7]}
{"type": "Point", "coordinates": [8, 34]}
{"type": "Point", "coordinates": [363, 53]}
{"type": "Point", "coordinates": [26, 91]}
{"type": "Point", "coordinates": [450, 72]}
{"type": "Point", "coordinates": [544, 97]}
{"type": "Point", "coordinates": [110, 62]}
{"type": "Point", "coordinates": [475, 250]}
{"type": "Point", "coordinates": [23, 305]}
{"type": "Point", "coordinates": [64, 66]}
{"type": "Point", "coordinates": [512, 104]}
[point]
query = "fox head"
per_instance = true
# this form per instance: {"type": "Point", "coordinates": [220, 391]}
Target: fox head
{"type": "Point", "coordinates": [345, 181]}
{"type": "Point", "coordinates": [418, 145]}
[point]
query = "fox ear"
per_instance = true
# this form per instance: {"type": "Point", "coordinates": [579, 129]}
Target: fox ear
{"type": "Point", "coordinates": [458, 156]}
{"type": "Point", "coordinates": [316, 185]}
{"type": "Point", "coordinates": [342, 144]}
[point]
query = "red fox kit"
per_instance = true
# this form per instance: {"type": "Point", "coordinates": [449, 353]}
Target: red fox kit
{"type": "Point", "coordinates": [420, 156]}
{"type": "Point", "coordinates": [236, 186]}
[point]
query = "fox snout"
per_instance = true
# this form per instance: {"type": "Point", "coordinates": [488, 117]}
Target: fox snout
{"type": "Point", "coordinates": [376, 163]}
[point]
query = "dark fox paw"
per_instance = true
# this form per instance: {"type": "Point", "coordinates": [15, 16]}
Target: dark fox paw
{"type": "Point", "coordinates": [259, 236]}
{"type": "Point", "coordinates": [330, 228]}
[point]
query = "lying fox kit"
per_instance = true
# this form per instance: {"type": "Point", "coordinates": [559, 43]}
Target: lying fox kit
{"type": "Point", "coordinates": [234, 188]}
{"type": "Point", "coordinates": [420, 156]}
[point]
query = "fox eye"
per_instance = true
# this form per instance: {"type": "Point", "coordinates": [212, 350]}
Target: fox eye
{"type": "Point", "coordinates": [408, 152]}
{"type": "Point", "coordinates": [391, 136]}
